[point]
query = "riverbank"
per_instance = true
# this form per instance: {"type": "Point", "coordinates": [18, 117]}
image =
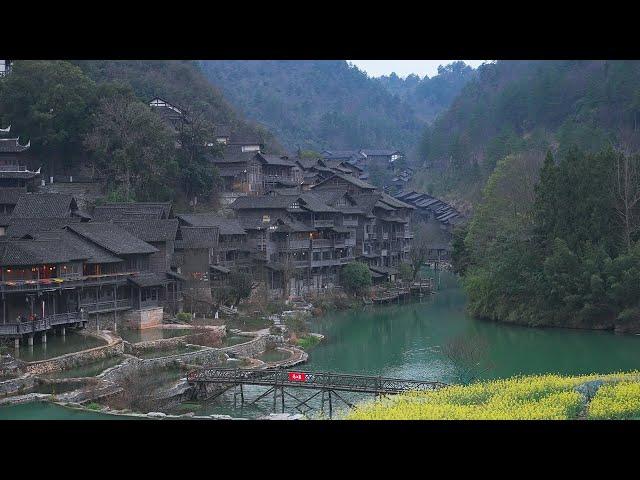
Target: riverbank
{"type": "Point", "coordinates": [548, 397]}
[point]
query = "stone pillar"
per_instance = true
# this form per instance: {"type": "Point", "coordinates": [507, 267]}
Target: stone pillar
{"type": "Point", "coordinates": [63, 331]}
{"type": "Point", "coordinates": [44, 337]}
{"type": "Point", "coordinates": [30, 340]}
{"type": "Point", "coordinates": [17, 343]}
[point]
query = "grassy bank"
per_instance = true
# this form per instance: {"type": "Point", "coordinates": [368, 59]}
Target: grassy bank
{"type": "Point", "coordinates": [545, 397]}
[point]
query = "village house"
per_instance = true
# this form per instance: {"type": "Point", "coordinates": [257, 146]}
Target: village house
{"type": "Point", "coordinates": [174, 116]}
{"type": "Point", "coordinates": [298, 242]}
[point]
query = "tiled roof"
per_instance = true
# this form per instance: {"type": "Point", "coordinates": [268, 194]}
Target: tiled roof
{"type": "Point", "coordinates": [44, 205]}
{"type": "Point", "coordinates": [112, 237]}
{"type": "Point", "coordinates": [394, 202]}
{"type": "Point", "coordinates": [348, 178]}
{"type": "Point", "coordinates": [24, 175]}
{"type": "Point", "coordinates": [382, 152]}
{"type": "Point", "coordinates": [308, 201]}
{"type": "Point", "coordinates": [231, 156]}
{"type": "Point", "coordinates": [226, 226]}
{"type": "Point", "coordinates": [198, 237]}
{"type": "Point", "coordinates": [151, 229]}
{"type": "Point", "coordinates": [291, 225]}
{"type": "Point", "coordinates": [37, 252]}
{"type": "Point", "coordinates": [19, 227]}
{"type": "Point", "coordinates": [148, 279]}
{"type": "Point", "coordinates": [128, 211]}
{"type": "Point", "coordinates": [9, 196]}
{"type": "Point", "coordinates": [11, 145]}
{"type": "Point", "coordinates": [275, 160]}
{"type": "Point", "coordinates": [307, 163]}
{"type": "Point", "coordinates": [366, 201]}
{"type": "Point", "coordinates": [92, 252]}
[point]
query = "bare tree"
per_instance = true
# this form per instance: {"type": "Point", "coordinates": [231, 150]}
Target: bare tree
{"type": "Point", "coordinates": [427, 236]}
{"type": "Point", "coordinates": [627, 191]}
{"type": "Point", "coordinates": [470, 355]}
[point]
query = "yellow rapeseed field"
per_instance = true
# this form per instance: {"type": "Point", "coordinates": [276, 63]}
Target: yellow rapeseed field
{"type": "Point", "coordinates": [541, 397]}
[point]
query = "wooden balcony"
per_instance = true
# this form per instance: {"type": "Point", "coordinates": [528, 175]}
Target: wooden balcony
{"type": "Point", "coordinates": [40, 325]}
{"type": "Point", "coordinates": [18, 286]}
{"type": "Point", "coordinates": [295, 245]}
{"type": "Point", "coordinates": [326, 263]}
{"type": "Point", "coordinates": [106, 306]}
{"type": "Point", "coordinates": [321, 243]}
{"type": "Point", "coordinates": [323, 223]}
{"type": "Point", "coordinates": [350, 223]}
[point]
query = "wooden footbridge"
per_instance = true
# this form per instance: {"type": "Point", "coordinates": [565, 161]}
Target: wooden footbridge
{"type": "Point", "coordinates": [280, 381]}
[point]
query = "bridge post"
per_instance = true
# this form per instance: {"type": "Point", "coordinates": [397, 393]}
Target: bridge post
{"type": "Point", "coordinates": [275, 393]}
{"type": "Point", "coordinates": [44, 337]}
{"type": "Point", "coordinates": [30, 340]}
{"type": "Point", "coordinates": [63, 331]}
{"type": "Point", "coordinates": [330, 407]}
{"type": "Point", "coordinates": [282, 398]}
{"type": "Point", "coordinates": [17, 343]}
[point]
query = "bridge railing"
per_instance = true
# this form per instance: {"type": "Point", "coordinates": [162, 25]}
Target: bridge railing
{"type": "Point", "coordinates": [303, 379]}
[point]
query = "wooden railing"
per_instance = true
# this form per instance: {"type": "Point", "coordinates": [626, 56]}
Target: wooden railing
{"type": "Point", "coordinates": [105, 305]}
{"type": "Point", "coordinates": [9, 286]}
{"type": "Point", "coordinates": [40, 325]}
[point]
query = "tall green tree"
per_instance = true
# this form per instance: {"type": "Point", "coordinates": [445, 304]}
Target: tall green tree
{"type": "Point", "coordinates": [49, 103]}
{"type": "Point", "coordinates": [134, 148]}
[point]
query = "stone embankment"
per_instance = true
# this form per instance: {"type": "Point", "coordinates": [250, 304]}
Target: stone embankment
{"type": "Point", "coordinates": [114, 347]}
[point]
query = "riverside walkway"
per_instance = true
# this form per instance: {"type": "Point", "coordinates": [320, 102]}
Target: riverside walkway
{"type": "Point", "coordinates": [278, 380]}
{"type": "Point", "coordinates": [42, 325]}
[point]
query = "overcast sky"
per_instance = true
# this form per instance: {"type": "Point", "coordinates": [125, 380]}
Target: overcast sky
{"type": "Point", "coordinates": [376, 68]}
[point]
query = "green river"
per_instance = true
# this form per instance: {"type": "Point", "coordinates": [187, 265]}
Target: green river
{"type": "Point", "coordinates": [405, 341]}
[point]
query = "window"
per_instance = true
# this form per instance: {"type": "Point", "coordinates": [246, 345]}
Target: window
{"type": "Point", "coordinates": [266, 218]}
{"type": "Point", "coordinates": [295, 205]}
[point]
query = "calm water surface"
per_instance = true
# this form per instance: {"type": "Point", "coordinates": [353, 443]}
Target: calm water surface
{"type": "Point", "coordinates": [56, 345]}
{"type": "Point", "coordinates": [406, 341]}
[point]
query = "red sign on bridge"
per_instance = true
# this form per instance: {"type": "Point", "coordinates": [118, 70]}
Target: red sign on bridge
{"type": "Point", "coordinates": [297, 377]}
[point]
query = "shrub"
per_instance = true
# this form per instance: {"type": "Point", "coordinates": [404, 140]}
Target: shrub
{"type": "Point", "coordinates": [356, 278]}
{"type": "Point", "coordinates": [307, 342]}
{"type": "Point", "coordinates": [184, 317]}
{"type": "Point", "coordinates": [406, 272]}
{"type": "Point", "coordinates": [296, 324]}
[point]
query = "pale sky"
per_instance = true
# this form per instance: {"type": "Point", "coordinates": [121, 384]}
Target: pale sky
{"type": "Point", "coordinates": [377, 68]}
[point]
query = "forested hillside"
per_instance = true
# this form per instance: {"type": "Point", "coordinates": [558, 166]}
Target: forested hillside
{"type": "Point", "coordinates": [529, 106]}
{"type": "Point", "coordinates": [556, 242]}
{"type": "Point", "coordinates": [430, 96]}
{"type": "Point", "coordinates": [93, 117]}
{"type": "Point", "coordinates": [180, 82]}
{"type": "Point", "coordinates": [317, 104]}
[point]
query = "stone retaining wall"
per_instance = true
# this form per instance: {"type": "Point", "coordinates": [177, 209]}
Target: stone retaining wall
{"type": "Point", "coordinates": [114, 347]}
{"type": "Point", "coordinates": [169, 343]}
{"type": "Point", "coordinates": [139, 365]}
{"type": "Point", "coordinates": [17, 385]}
{"type": "Point", "coordinates": [250, 349]}
{"type": "Point", "coordinates": [145, 318]}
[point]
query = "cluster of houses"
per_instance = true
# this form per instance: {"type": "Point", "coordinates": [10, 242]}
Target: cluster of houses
{"type": "Point", "coordinates": [390, 159]}
{"type": "Point", "coordinates": [291, 222]}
